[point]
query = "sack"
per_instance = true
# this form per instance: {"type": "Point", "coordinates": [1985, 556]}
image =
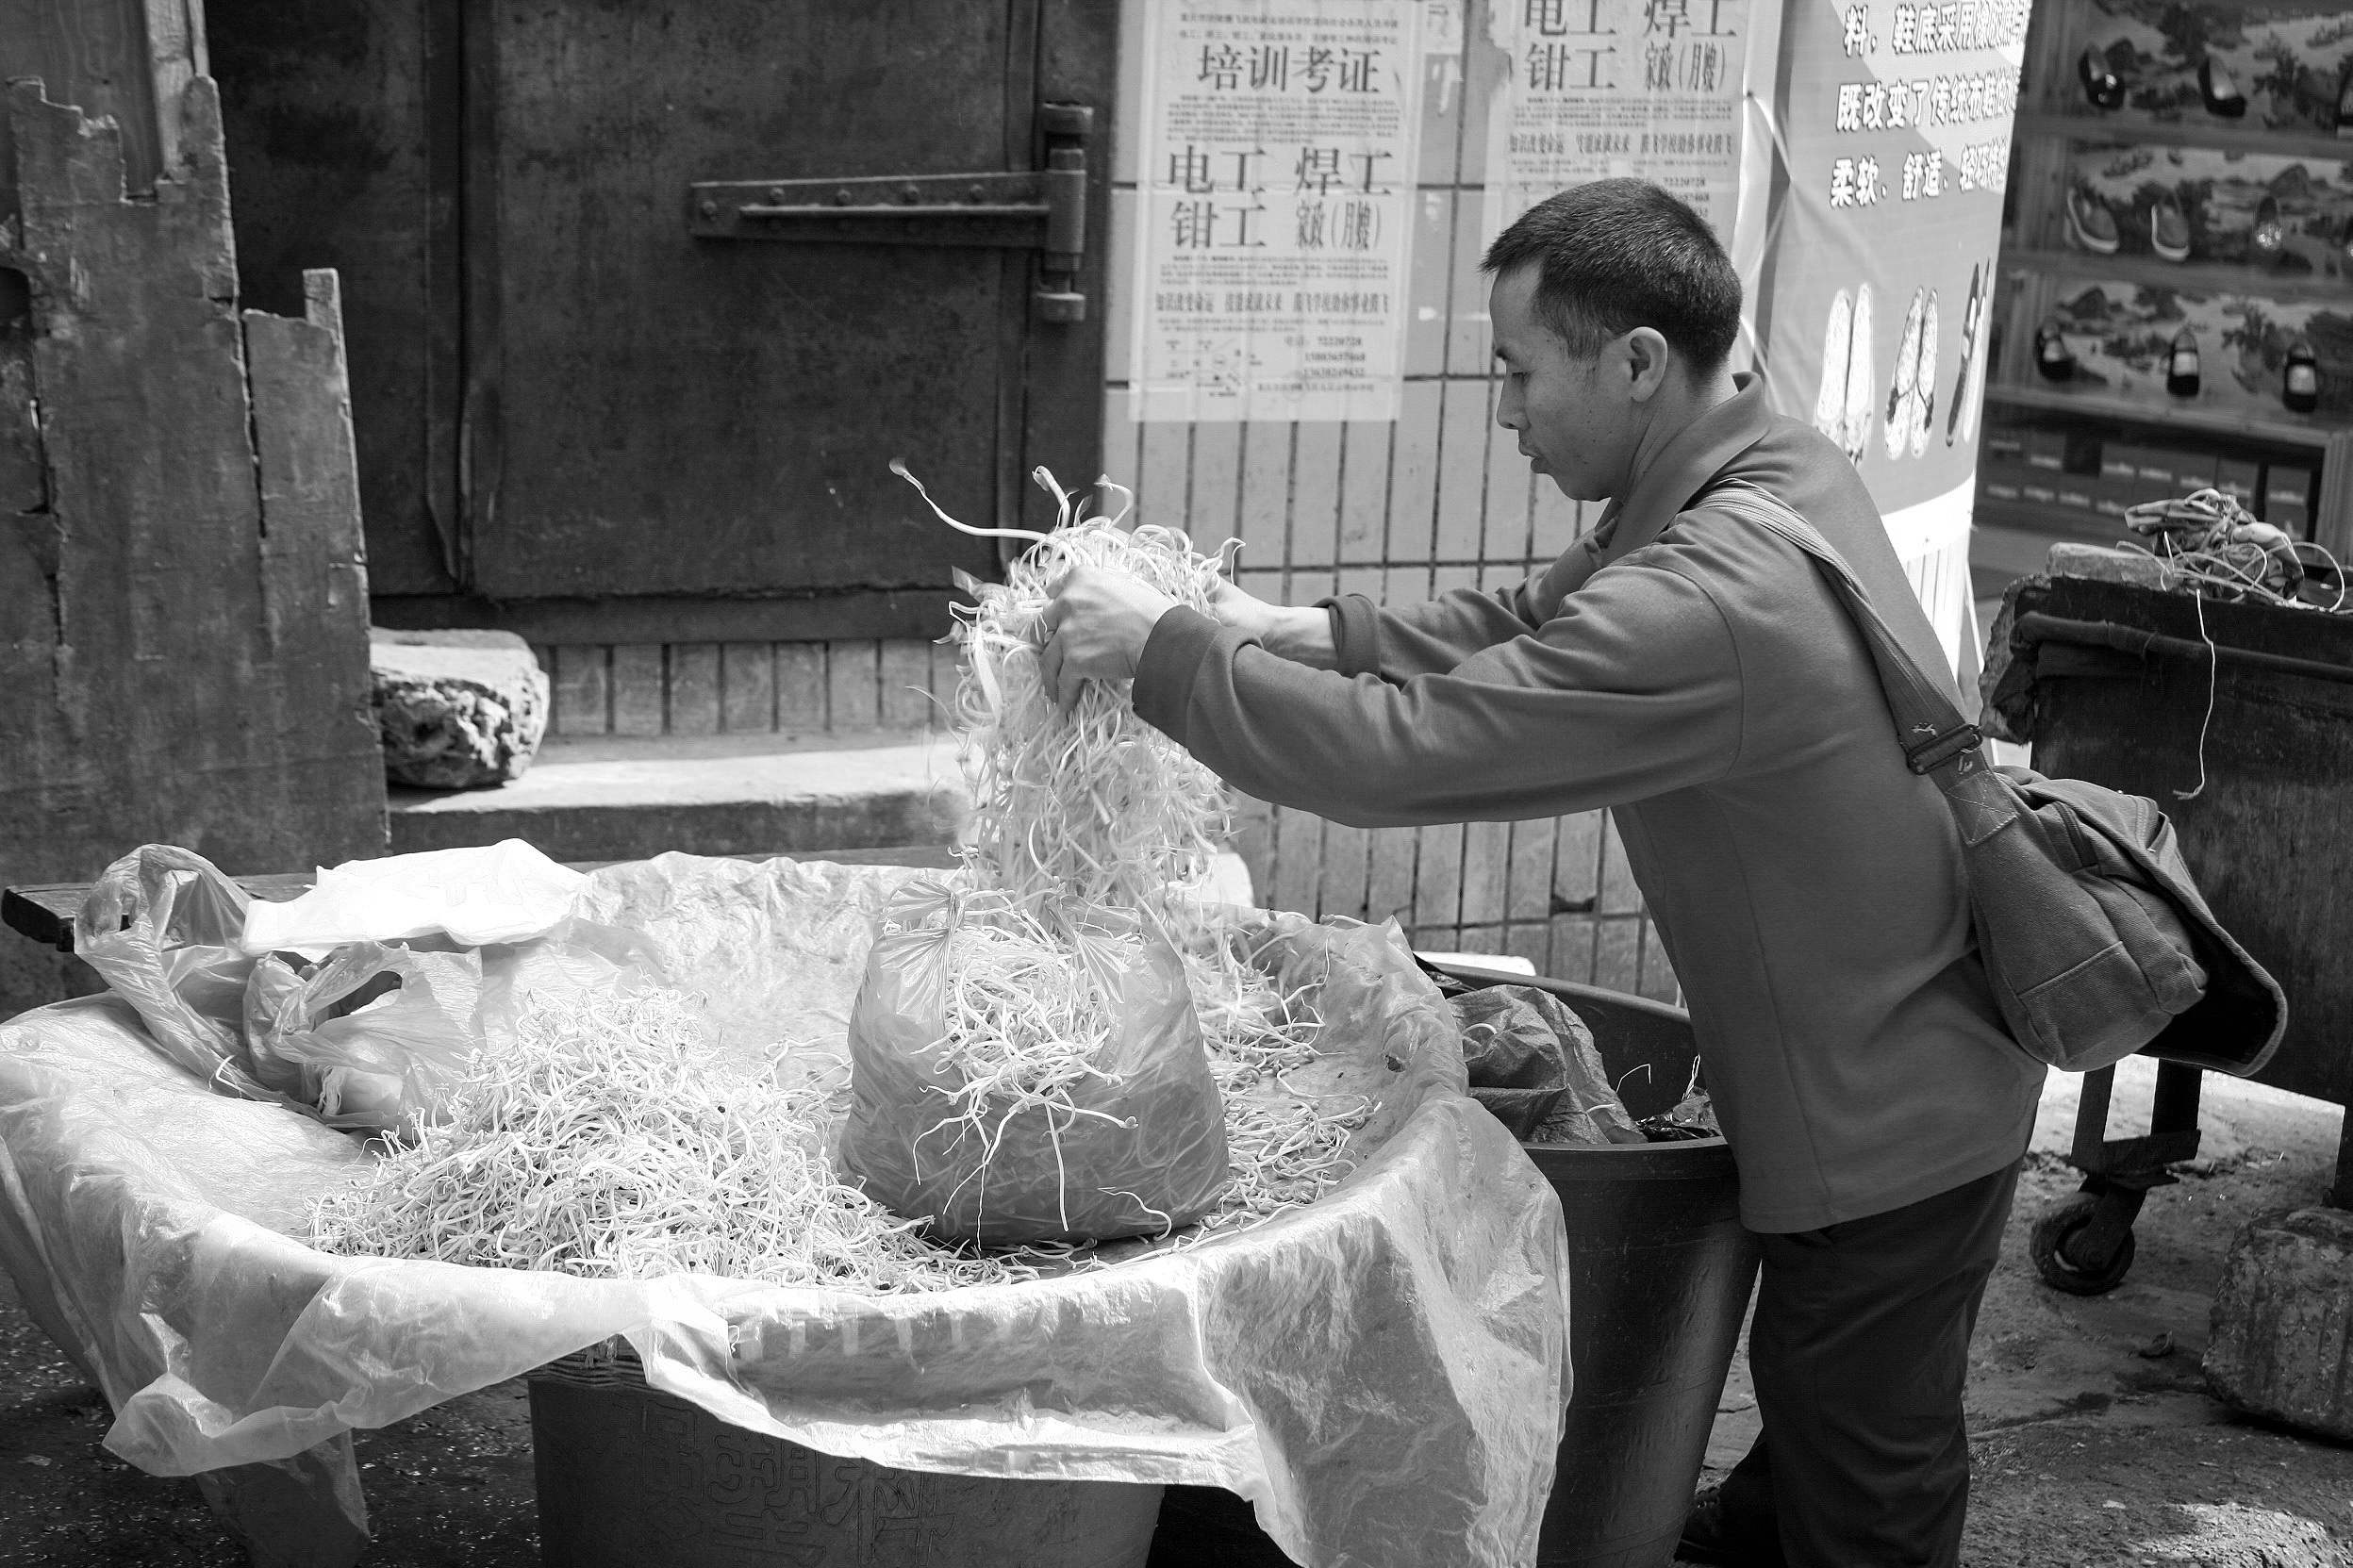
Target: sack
{"type": "Point", "coordinates": [1141, 1152]}
{"type": "Point", "coordinates": [161, 926]}
{"type": "Point", "coordinates": [2093, 934]}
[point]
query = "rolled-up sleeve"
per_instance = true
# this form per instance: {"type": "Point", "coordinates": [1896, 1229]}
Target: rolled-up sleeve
{"type": "Point", "coordinates": [1633, 690]}
{"type": "Point", "coordinates": [1400, 643]}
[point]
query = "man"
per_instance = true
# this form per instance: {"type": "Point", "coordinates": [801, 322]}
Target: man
{"type": "Point", "coordinates": [1693, 672]}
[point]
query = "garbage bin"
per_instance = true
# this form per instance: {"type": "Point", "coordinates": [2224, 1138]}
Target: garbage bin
{"type": "Point", "coordinates": [1660, 1271]}
{"type": "Point", "coordinates": [2237, 719]}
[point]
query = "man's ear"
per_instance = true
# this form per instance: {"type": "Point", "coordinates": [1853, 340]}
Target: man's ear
{"type": "Point", "coordinates": [1647, 361]}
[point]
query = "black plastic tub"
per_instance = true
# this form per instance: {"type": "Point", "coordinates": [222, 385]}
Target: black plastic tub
{"type": "Point", "coordinates": [1660, 1271]}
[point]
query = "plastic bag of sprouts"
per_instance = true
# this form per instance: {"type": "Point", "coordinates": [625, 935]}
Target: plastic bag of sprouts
{"type": "Point", "coordinates": [1014, 1082]}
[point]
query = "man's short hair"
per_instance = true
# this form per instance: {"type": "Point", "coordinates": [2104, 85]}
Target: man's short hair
{"type": "Point", "coordinates": [1615, 254]}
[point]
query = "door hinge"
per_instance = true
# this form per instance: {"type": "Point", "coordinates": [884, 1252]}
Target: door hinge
{"type": "Point", "coordinates": [1042, 209]}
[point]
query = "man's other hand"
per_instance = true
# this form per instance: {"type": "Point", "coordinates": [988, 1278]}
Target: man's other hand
{"type": "Point", "coordinates": [1233, 607]}
{"type": "Point", "coordinates": [1097, 625]}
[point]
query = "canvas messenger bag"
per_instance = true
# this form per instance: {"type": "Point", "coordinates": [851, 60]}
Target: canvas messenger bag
{"type": "Point", "coordinates": [2093, 935]}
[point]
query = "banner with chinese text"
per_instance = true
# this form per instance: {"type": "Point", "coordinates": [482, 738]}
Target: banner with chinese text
{"type": "Point", "coordinates": [1595, 89]}
{"type": "Point", "coordinates": [1878, 289]}
{"type": "Point", "coordinates": [1273, 222]}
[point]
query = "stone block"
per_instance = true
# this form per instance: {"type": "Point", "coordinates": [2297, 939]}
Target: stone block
{"type": "Point", "coordinates": [2280, 1343]}
{"type": "Point", "coordinates": [458, 710]}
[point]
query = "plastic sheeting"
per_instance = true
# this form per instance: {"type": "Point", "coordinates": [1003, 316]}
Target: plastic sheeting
{"type": "Point", "coordinates": [1383, 1374]}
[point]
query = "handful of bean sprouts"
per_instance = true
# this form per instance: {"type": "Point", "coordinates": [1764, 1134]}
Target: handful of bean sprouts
{"type": "Point", "coordinates": [1094, 805]}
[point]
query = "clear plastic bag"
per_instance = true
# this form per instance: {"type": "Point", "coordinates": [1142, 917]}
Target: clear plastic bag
{"type": "Point", "coordinates": [161, 926]}
{"type": "Point", "coordinates": [372, 1035]}
{"type": "Point", "coordinates": [1139, 1151]}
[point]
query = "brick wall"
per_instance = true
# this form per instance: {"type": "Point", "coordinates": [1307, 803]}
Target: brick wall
{"type": "Point", "coordinates": [701, 688]}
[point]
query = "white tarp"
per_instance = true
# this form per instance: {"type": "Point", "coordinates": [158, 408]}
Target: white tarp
{"type": "Point", "coordinates": [1383, 1374]}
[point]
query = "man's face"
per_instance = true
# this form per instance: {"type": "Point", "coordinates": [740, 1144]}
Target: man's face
{"type": "Point", "coordinates": [1574, 416]}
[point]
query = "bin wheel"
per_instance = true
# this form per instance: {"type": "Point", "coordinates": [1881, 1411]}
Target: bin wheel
{"type": "Point", "coordinates": [2059, 1222]}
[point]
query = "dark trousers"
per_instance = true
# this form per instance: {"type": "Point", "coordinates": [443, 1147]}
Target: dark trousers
{"type": "Point", "coordinates": [1859, 1349]}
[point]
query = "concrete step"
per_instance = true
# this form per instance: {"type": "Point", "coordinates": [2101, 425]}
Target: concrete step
{"type": "Point", "coordinates": [625, 798]}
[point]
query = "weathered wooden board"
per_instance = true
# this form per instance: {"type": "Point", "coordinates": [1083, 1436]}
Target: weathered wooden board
{"type": "Point", "coordinates": [187, 659]}
{"type": "Point", "coordinates": [314, 576]}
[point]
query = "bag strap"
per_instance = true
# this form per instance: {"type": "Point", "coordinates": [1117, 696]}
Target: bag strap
{"type": "Point", "coordinates": [1934, 734]}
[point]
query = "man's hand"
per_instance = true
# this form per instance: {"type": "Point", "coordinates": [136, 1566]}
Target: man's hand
{"type": "Point", "coordinates": [1234, 608]}
{"type": "Point", "coordinates": [1097, 625]}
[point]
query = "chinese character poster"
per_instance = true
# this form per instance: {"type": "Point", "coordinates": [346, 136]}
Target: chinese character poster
{"type": "Point", "coordinates": [1601, 88]}
{"type": "Point", "coordinates": [1877, 292]}
{"type": "Point", "coordinates": [1278, 165]}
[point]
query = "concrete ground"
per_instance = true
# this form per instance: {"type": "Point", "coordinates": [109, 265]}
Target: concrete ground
{"type": "Point", "coordinates": [2095, 1442]}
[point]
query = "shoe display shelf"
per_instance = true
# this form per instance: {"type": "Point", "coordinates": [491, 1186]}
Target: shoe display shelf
{"type": "Point", "coordinates": [2177, 278]}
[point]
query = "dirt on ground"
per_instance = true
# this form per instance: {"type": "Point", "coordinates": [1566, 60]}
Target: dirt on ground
{"type": "Point", "coordinates": [2094, 1440]}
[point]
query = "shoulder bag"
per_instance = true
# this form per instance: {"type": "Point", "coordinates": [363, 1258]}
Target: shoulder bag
{"type": "Point", "coordinates": [2093, 934]}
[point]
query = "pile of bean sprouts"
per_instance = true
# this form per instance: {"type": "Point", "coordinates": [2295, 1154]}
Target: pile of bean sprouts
{"type": "Point", "coordinates": [608, 1143]}
{"type": "Point", "coordinates": [1094, 804]}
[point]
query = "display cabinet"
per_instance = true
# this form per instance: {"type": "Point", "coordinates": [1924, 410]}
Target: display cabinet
{"type": "Point", "coordinates": [2177, 307]}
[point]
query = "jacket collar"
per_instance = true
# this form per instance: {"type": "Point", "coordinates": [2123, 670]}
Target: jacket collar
{"type": "Point", "coordinates": [1693, 458]}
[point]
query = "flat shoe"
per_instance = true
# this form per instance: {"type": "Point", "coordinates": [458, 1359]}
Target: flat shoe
{"type": "Point", "coordinates": [2169, 230]}
{"type": "Point", "coordinates": [2092, 224]}
{"type": "Point", "coordinates": [2220, 89]}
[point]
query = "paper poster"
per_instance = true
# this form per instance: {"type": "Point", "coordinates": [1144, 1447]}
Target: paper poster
{"type": "Point", "coordinates": [1601, 87]}
{"type": "Point", "coordinates": [1274, 226]}
{"type": "Point", "coordinates": [1879, 286]}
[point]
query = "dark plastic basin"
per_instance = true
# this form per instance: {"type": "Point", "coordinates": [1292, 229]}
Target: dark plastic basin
{"type": "Point", "coordinates": [1660, 1271]}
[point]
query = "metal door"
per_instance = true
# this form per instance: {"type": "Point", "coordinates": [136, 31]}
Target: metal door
{"type": "Point", "coordinates": [667, 421]}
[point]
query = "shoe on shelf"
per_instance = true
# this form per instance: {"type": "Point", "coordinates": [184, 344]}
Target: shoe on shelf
{"type": "Point", "coordinates": [2053, 357]}
{"type": "Point", "coordinates": [1706, 1541]}
{"type": "Point", "coordinates": [2169, 229]}
{"type": "Point", "coordinates": [2220, 89]}
{"type": "Point", "coordinates": [2090, 223]}
{"type": "Point", "coordinates": [2181, 378]}
{"type": "Point", "coordinates": [2270, 236]}
{"type": "Point", "coordinates": [2103, 87]}
{"type": "Point", "coordinates": [2299, 381]}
